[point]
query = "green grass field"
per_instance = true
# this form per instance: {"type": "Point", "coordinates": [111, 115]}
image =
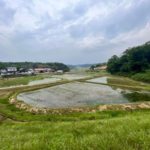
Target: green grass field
{"type": "Point", "coordinates": [4, 82]}
{"type": "Point", "coordinates": [106, 130]}
{"type": "Point", "coordinates": [103, 130]}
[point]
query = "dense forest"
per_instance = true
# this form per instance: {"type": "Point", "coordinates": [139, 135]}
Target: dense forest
{"type": "Point", "coordinates": [134, 62]}
{"type": "Point", "coordinates": [27, 65]}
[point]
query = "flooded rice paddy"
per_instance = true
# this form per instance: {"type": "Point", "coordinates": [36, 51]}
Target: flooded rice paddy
{"type": "Point", "coordinates": [56, 78]}
{"type": "Point", "coordinates": [71, 76]}
{"type": "Point", "coordinates": [74, 95]}
{"type": "Point", "coordinates": [99, 80]}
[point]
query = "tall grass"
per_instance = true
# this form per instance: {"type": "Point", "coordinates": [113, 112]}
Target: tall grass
{"type": "Point", "coordinates": [145, 77]}
{"type": "Point", "coordinates": [131, 132]}
{"type": "Point", "coordinates": [107, 130]}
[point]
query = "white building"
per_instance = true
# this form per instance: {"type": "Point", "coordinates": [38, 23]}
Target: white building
{"type": "Point", "coordinates": [11, 69]}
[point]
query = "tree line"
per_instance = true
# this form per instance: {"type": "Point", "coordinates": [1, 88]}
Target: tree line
{"type": "Point", "coordinates": [32, 65]}
{"type": "Point", "coordinates": [133, 60]}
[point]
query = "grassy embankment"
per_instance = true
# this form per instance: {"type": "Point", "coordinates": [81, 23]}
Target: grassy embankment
{"type": "Point", "coordinates": [127, 83]}
{"type": "Point", "coordinates": [145, 77]}
{"type": "Point", "coordinates": [113, 130]}
{"type": "Point", "coordinates": [142, 76]}
{"type": "Point", "coordinates": [122, 82]}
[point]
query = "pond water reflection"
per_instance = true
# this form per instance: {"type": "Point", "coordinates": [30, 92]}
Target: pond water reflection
{"type": "Point", "coordinates": [76, 95]}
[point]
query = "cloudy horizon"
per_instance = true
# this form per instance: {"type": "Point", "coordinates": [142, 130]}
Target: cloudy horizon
{"type": "Point", "coordinates": [71, 31]}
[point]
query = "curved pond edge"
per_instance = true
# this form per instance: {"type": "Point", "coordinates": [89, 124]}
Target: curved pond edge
{"type": "Point", "coordinates": [116, 107]}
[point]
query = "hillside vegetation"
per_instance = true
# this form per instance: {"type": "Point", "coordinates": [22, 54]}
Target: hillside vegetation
{"type": "Point", "coordinates": [134, 62]}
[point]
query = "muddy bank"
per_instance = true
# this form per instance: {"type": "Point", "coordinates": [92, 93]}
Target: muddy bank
{"type": "Point", "coordinates": [115, 107]}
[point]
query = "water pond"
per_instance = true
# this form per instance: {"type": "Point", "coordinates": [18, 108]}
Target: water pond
{"type": "Point", "coordinates": [56, 78]}
{"type": "Point", "coordinates": [75, 94]}
{"type": "Point", "coordinates": [43, 81]}
{"type": "Point", "coordinates": [99, 80]}
{"type": "Point", "coordinates": [71, 76]}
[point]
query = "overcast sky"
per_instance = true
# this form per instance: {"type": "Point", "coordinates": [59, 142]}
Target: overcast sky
{"type": "Point", "coordinates": [71, 31]}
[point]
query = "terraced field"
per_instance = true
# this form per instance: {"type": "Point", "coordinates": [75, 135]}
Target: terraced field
{"type": "Point", "coordinates": [86, 93]}
{"type": "Point", "coordinates": [94, 129]}
{"type": "Point", "coordinates": [74, 94]}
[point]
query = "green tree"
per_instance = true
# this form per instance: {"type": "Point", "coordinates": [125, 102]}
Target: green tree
{"type": "Point", "coordinates": [113, 65]}
{"type": "Point", "coordinates": [133, 60]}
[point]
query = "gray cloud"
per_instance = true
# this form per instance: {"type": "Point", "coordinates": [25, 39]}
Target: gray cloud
{"type": "Point", "coordinates": [72, 31]}
{"type": "Point", "coordinates": [121, 20]}
{"type": "Point", "coordinates": [6, 14]}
